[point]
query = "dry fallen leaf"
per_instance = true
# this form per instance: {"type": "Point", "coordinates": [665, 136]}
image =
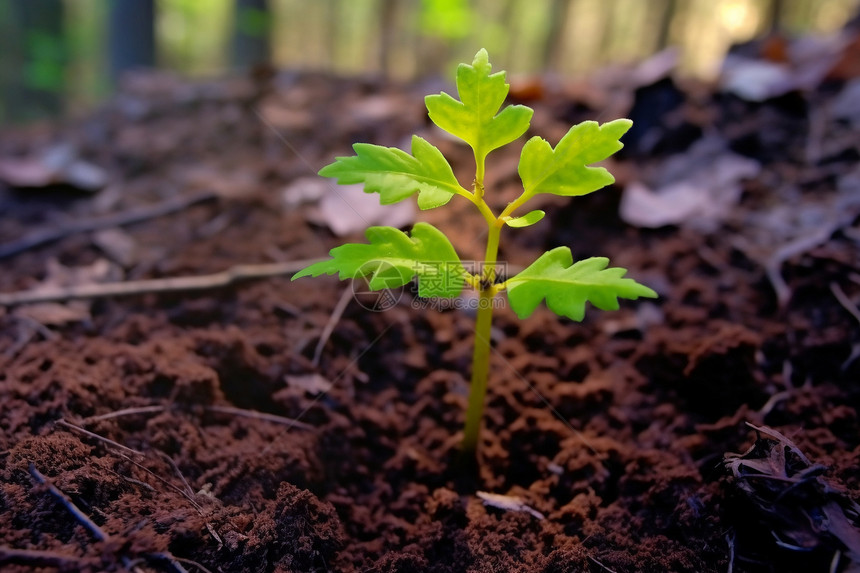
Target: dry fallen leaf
{"type": "Point", "coordinates": [347, 209]}
{"type": "Point", "coordinates": [304, 190]}
{"type": "Point", "coordinates": [310, 383]}
{"type": "Point", "coordinates": [793, 498]}
{"type": "Point", "coordinates": [702, 199]}
{"type": "Point", "coordinates": [58, 165]}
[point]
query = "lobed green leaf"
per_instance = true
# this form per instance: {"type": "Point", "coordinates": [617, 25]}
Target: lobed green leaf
{"type": "Point", "coordinates": [567, 286]}
{"type": "Point", "coordinates": [392, 258]}
{"type": "Point", "coordinates": [526, 220]}
{"type": "Point", "coordinates": [564, 170]}
{"type": "Point", "coordinates": [476, 119]}
{"type": "Point", "coordinates": [396, 175]}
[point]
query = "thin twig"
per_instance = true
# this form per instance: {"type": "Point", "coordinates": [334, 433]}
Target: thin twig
{"type": "Point", "coordinates": [155, 286]}
{"type": "Point", "coordinates": [95, 436]}
{"type": "Point", "coordinates": [855, 354]}
{"type": "Point", "coordinates": [730, 539]}
{"type": "Point", "coordinates": [176, 471]}
{"type": "Point", "coordinates": [125, 412]}
{"type": "Point", "coordinates": [190, 494]}
{"type": "Point", "coordinates": [339, 308]}
{"type": "Point", "coordinates": [177, 567]}
{"type": "Point", "coordinates": [134, 215]}
{"type": "Point", "coordinates": [844, 300]}
{"type": "Point", "coordinates": [773, 401]}
{"type": "Point", "coordinates": [93, 528]}
{"type": "Point", "coordinates": [834, 563]}
{"type": "Point", "coordinates": [183, 493]}
{"type": "Point", "coordinates": [175, 561]}
{"type": "Point", "coordinates": [136, 482]}
{"type": "Point", "coordinates": [70, 506]}
{"type": "Point", "coordinates": [175, 488]}
{"type": "Point", "coordinates": [798, 246]}
{"type": "Point", "coordinates": [33, 327]}
{"type": "Point", "coordinates": [36, 558]}
{"type": "Point", "coordinates": [845, 212]}
{"type": "Point", "coordinates": [274, 418]}
{"type": "Point", "coordinates": [601, 565]}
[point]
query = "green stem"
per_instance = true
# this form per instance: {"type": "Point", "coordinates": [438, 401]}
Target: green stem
{"type": "Point", "coordinates": [484, 209]}
{"type": "Point", "coordinates": [481, 352]}
{"type": "Point", "coordinates": [514, 205]}
{"type": "Point", "coordinates": [479, 176]}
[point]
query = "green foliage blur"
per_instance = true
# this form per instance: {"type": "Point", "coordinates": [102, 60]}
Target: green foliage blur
{"type": "Point", "coordinates": [55, 55]}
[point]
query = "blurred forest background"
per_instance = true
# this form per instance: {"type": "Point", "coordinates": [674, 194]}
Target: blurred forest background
{"type": "Point", "coordinates": [61, 57]}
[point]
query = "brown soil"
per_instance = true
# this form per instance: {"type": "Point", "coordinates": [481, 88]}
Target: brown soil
{"type": "Point", "coordinates": [149, 412]}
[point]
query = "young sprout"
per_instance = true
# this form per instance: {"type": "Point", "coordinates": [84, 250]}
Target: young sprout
{"type": "Point", "coordinates": [392, 258]}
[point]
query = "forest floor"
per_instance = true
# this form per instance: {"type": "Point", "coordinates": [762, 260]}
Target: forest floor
{"type": "Point", "coordinates": [243, 422]}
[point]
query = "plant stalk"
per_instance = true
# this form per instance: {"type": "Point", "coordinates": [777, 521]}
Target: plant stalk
{"type": "Point", "coordinates": [481, 351]}
{"type": "Point", "coordinates": [480, 371]}
{"type": "Point", "coordinates": [479, 176]}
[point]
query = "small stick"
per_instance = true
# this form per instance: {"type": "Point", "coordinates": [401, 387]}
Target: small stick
{"type": "Point", "coordinates": [730, 539]}
{"type": "Point", "coordinates": [798, 246]}
{"type": "Point", "coordinates": [137, 482]}
{"type": "Point", "coordinates": [27, 330]}
{"type": "Point", "coordinates": [601, 565]}
{"type": "Point", "coordinates": [844, 300]}
{"type": "Point", "coordinates": [125, 412]}
{"type": "Point", "coordinates": [79, 515]}
{"type": "Point", "coordinates": [93, 435]}
{"type": "Point", "coordinates": [175, 561]}
{"type": "Point", "coordinates": [834, 563]}
{"type": "Point", "coordinates": [192, 563]}
{"type": "Point", "coordinates": [155, 286]}
{"type": "Point", "coordinates": [95, 529]}
{"type": "Point", "coordinates": [176, 470]}
{"type": "Point", "coordinates": [177, 489]}
{"type": "Point", "coordinates": [773, 401]}
{"type": "Point", "coordinates": [36, 558]}
{"type": "Point", "coordinates": [135, 215]}
{"type": "Point", "coordinates": [336, 314]}
{"type": "Point", "coordinates": [189, 494]}
{"type": "Point", "coordinates": [274, 418]}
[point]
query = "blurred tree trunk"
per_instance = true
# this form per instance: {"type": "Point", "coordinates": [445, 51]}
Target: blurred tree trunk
{"type": "Point", "coordinates": [665, 26]}
{"type": "Point", "coordinates": [132, 36]}
{"type": "Point", "coordinates": [32, 59]}
{"type": "Point", "coordinates": [554, 47]}
{"type": "Point", "coordinates": [252, 38]}
{"type": "Point", "coordinates": [387, 32]}
{"type": "Point", "coordinates": [331, 31]}
{"type": "Point", "coordinates": [774, 16]}
{"type": "Point", "coordinates": [608, 39]}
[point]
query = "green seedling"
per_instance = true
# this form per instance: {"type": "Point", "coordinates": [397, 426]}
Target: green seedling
{"type": "Point", "coordinates": [392, 258]}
